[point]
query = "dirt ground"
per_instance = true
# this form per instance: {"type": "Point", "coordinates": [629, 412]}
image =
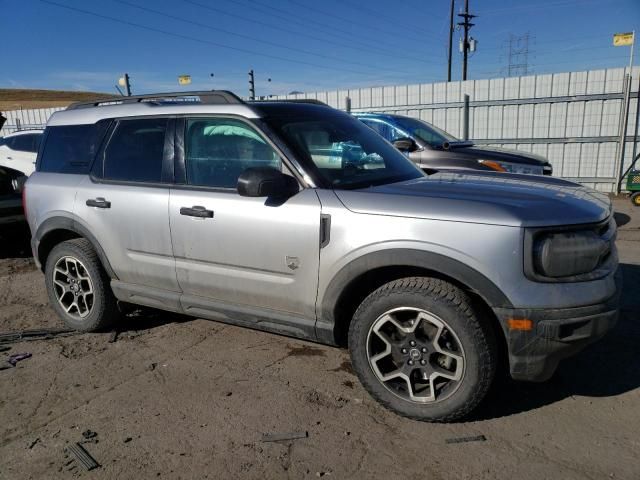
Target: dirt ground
{"type": "Point", "coordinates": [17, 98]}
{"type": "Point", "coordinates": [176, 397]}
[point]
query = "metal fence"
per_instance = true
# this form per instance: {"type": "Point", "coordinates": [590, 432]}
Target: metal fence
{"type": "Point", "coordinates": [26, 119]}
{"type": "Point", "coordinates": [571, 118]}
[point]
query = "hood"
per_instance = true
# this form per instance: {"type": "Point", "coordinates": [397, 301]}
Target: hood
{"type": "Point", "coordinates": [505, 199]}
{"type": "Point", "coordinates": [501, 154]}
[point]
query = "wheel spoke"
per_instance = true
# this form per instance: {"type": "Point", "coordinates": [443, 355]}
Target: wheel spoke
{"type": "Point", "coordinates": [401, 354]}
{"type": "Point", "coordinates": [73, 287]}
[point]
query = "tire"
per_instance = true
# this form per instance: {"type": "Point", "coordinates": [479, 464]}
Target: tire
{"type": "Point", "coordinates": [73, 273]}
{"type": "Point", "coordinates": [635, 199]}
{"type": "Point", "coordinates": [454, 353]}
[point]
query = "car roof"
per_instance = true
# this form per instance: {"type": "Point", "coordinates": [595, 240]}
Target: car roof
{"type": "Point", "coordinates": [178, 103]}
{"type": "Point", "coordinates": [39, 131]}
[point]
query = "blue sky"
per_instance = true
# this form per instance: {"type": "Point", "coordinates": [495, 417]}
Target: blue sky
{"type": "Point", "coordinates": [301, 45]}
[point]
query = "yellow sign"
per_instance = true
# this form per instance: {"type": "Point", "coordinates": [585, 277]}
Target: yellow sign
{"type": "Point", "coordinates": [622, 39]}
{"type": "Point", "coordinates": [184, 79]}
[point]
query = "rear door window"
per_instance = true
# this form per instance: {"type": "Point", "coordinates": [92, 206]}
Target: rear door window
{"type": "Point", "coordinates": [71, 148]}
{"type": "Point", "coordinates": [135, 151]}
{"type": "Point", "coordinates": [24, 143]}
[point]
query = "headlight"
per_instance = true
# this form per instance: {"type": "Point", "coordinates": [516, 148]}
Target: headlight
{"type": "Point", "coordinates": [568, 254]}
{"type": "Point", "coordinates": [512, 167]}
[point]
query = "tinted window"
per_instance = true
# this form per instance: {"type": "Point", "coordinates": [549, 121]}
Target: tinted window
{"type": "Point", "coordinates": [218, 150]}
{"type": "Point", "coordinates": [71, 148]}
{"type": "Point", "coordinates": [24, 143]}
{"type": "Point", "coordinates": [135, 151]}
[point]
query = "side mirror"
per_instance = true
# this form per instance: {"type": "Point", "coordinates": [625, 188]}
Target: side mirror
{"type": "Point", "coordinates": [405, 144]}
{"type": "Point", "coordinates": [266, 182]}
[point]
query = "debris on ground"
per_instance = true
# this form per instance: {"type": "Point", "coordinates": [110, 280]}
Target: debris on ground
{"type": "Point", "coordinates": [113, 337]}
{"type": "Point", "coordinates": [87, 434]}
{"type": "Point", "coordinates": [33, 444]}
{"type": "Point", "coordinates": [37, 334]}
{"type": "Point", "coordinates": [477, 438]}
{"type": "Point", "coordinates": [279, 437]}
{"type": "Point", "coordinates": [17, 357]}
{"type": "Point", "coordinates": [128, 439]}
{"type": "Point", "coordinates": [81, 454]}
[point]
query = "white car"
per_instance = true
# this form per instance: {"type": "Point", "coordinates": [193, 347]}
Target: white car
{"type": "Point", "coordinates": [19, 150]}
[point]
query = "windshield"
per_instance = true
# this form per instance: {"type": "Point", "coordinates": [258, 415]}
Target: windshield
{"type": "Point", "coordinates": [346, 153]}
{"type": "Point", "coordinates": [429, 134]}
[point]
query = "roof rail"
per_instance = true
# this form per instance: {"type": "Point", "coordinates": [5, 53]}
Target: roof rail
{"type": "Point", "coordinates": [312, 101]}
{"type": "Point", "coordinates": [216, 97]}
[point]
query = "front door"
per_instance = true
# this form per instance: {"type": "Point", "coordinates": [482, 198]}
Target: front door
{"type": "Point", "coordinates": [237, 253]}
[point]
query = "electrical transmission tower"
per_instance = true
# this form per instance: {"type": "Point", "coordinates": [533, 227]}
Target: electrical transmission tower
{"type": "Point", "coordinates": [518, 53]}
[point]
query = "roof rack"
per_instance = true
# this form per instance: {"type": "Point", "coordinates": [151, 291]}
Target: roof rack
{"type": "Point", "coordinates": [312, 101]}
{"type": "Point", "coordinates": [211, 97]}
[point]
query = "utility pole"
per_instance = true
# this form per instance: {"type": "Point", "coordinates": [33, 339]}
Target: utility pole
{"type": "Point", "coordinates": [465, 42]}
{"type": "Point", "coordinates": [252, 86]}
{"type": "Point", "coordinates": [127, 84]}
{"type": "Point", "coordinates": [450, 40]}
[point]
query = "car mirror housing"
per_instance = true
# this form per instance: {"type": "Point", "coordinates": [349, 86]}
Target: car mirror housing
{"type": "Point", "coordinates": [405, 144]}
{"type": "Point", "coordinates": [266, 182]}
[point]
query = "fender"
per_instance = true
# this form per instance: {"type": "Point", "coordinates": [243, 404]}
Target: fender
{"type": "Point", "coordinates": [458, 271]}
{"type": "Point", "coordinates": [68, 223]}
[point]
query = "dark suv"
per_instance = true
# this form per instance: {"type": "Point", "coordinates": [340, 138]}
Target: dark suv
{"type": "Point", "coordinates": [434, 149]}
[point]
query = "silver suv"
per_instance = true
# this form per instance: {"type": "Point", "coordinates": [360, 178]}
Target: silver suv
{"type": "Point", "coordinates": [299, 219]}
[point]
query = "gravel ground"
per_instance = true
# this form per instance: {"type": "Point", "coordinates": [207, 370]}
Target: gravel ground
{"type": "Point", "coordinates": [176, 397]}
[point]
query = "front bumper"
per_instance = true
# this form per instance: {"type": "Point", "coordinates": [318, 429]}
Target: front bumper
{"type": "Point", "coordinates": [555, 334]}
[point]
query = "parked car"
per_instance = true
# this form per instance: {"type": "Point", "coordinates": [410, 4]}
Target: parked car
{"type": "Point", "coordinates": [434, 149]}
{"type": "Point", "coordinates": [11, 183]}
{"type": "Point", "coordinates": [19, 150]}
{"type": "Point", "coordinates": [244, 213]}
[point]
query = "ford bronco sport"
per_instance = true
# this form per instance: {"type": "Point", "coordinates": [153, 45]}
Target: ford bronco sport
{"type": "Point", "coordinates": [298, 219]}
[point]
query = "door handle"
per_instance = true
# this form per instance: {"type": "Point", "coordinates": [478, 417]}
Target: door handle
{"type": "Point", "coordinates": [98, 203]}
{"type": "Point", "coordinates": [196, 211]}
{"type": "Point", "coordinates": [9, 158]}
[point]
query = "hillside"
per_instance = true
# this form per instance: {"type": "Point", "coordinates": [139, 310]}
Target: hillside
{"type": "Point", "coordinates": [16, 98]}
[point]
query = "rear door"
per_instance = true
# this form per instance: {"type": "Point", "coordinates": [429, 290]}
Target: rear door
{"type": "Point", "coordinates": [245, 253]}
{"type": "Point", "coordinates": [125, 202]}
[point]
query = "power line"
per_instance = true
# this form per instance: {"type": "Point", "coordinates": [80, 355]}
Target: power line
{"type": "Point", "coordinates": [195, 39]}
{"type": "Point", "coordinates": [374, 50]}
{"type": "Point", "coordinates": [333, 16]}
{"type": "Point", "coordinates": [248, 37]}
{"type": "Point", "coordinates": [292, 18]}
{"type": "Point", "coordinates": [378, 14]}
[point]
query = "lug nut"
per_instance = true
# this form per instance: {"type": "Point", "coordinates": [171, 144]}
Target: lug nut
{"type": "Point", "coordinates": [404, 350]}
{"type": "Point", "coordinates": [424, 350]}
{"type": "Point", "coordinates": [412, 343]}
{"type": "Point", "coordinates": [410, 362]}
{"type": "Point", "coordinates": [423, 362]}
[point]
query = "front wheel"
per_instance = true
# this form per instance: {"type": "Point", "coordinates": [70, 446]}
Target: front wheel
{"type": "Point", "coordinates": [635, 199]}
{"type": "Point", "coordinates": [419, 348]}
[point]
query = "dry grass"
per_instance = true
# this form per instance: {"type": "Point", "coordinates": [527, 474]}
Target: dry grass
{"type": "Point", "coordinates": [17, 98]}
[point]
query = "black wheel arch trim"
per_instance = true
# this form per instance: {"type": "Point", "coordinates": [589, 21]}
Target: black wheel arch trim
{"type": "Point", "coordinates": [68, 223]}
{"type": "Point", "coordinates": [454, 269]}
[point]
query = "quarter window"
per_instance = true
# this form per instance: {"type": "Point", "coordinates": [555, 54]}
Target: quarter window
{"type": "Point", "coordinates": [71, 148]}
{"type": "Point", "coordinates": [218, 150]}
{"type": "Point", "coordinates": [135, 151]}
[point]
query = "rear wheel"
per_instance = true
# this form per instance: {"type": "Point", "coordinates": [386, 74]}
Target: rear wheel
{"type": "Point", "coordinates": [420, 350]}
{"type": "Point", "coordinates": [635, 199]}
{"type": "Point", "coordinates": [78, 287]}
